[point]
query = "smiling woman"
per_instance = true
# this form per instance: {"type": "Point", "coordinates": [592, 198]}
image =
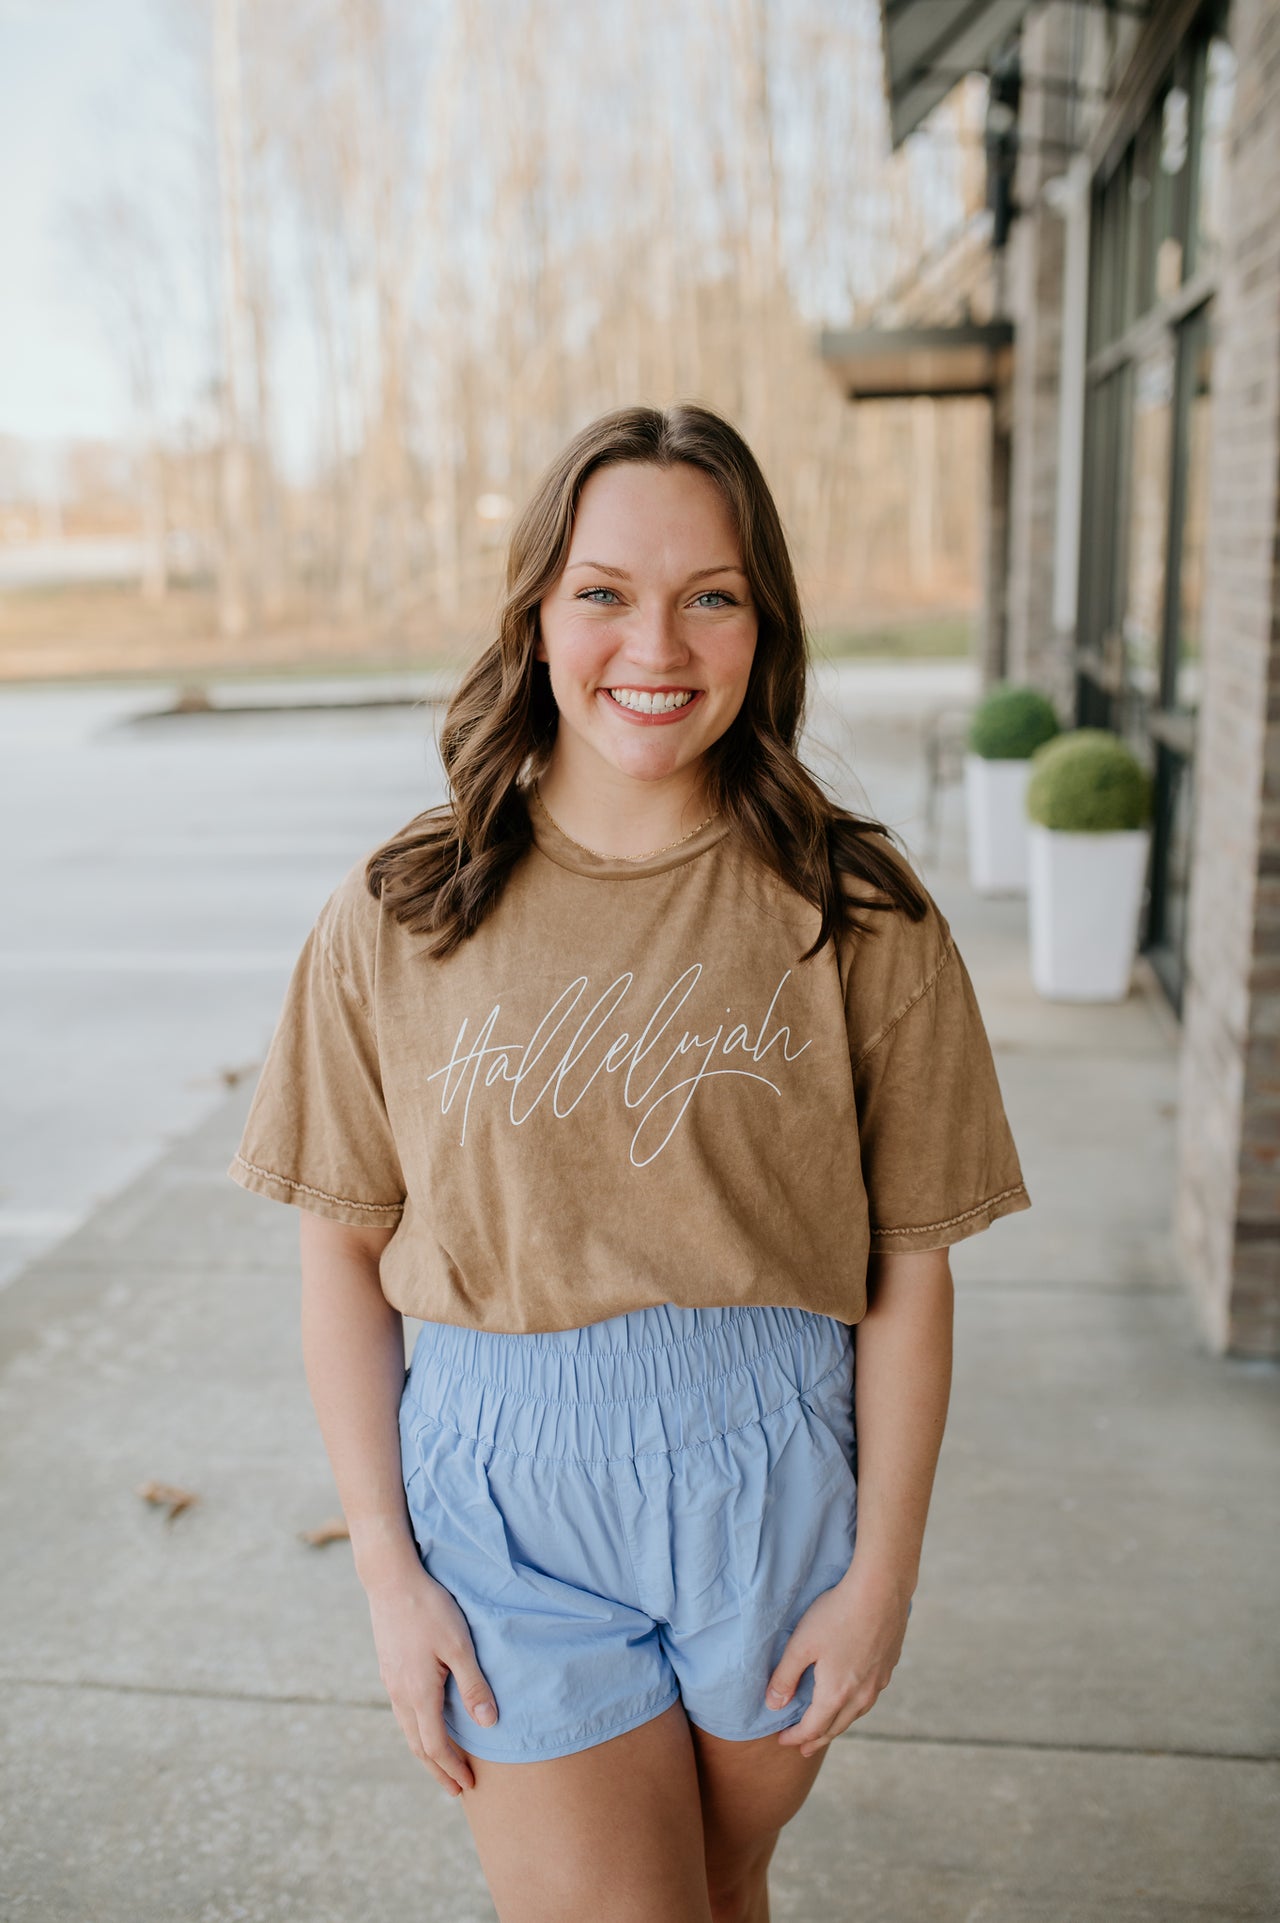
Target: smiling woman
{"type": "Point", "coordinates": [648, 671]}
{"type": "Point", "coordinates": [645, 1076]}
{"type": "Point", "coordinates": [607, 589]}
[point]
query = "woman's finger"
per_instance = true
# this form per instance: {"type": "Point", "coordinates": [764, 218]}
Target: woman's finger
{"type": "Point", "coordinates": [427, 1737]}
{"type": "Point", "coordinates": [785, 1680]}
{"type": "Point", "coordinates": [442, 1758]}
{"type": "Point", "coordinates": [808, 1730]}
{"type": "Point", "coordinates": [844, 1717]}
{"type": "Point", "coordinates": [413, 1736]}
{"type": "Point", "coordinates": [472, 1687]}
{"type": "Point", "coordinates": [821, 1721]}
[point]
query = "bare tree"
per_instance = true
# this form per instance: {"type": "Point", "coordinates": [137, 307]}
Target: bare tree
{"type": "Point", "coordinates": [485, 221]}
{"type": "Point", "coordinates": [115, 244]}
{"type": "Point", "coordinates": [233, 610]}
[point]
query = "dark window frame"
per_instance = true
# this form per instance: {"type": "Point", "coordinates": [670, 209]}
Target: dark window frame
{"type": "Point", "coordinates": [1126, 316]}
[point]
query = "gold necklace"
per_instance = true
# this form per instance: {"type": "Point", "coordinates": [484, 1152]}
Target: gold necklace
{"type": "Point", "coordinates": [602, 857]}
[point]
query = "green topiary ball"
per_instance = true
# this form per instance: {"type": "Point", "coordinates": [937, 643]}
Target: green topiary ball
{"type": "Point", "coordinates": [1088, 781]}
{"type": "Point", "coordinates": [1011, 723]}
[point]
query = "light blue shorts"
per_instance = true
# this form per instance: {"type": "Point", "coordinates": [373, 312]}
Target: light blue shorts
{"type": "Point", "coordinates": [631, 1513]}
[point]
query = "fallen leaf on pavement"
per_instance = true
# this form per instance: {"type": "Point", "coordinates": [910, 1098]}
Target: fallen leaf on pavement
{"type": "Point", "coordinates": [335, 1530]}
{"type": "Point", "coordinates": [166, 1493]}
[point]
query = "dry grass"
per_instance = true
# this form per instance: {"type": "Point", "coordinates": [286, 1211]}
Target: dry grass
{"type": "Point", "coordinates": [79, 633]}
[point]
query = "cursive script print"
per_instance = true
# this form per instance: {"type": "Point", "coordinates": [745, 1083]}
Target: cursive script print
{"type": "Point", "coordinates": [560, 1063]}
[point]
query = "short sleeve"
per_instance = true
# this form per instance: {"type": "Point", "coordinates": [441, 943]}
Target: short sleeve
{"type": "Point", "coordinates": [317, 1133]}
{"type": "Point", "coordinates": [938, 1157]}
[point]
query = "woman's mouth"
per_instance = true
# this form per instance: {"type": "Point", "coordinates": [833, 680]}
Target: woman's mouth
{"type": "Point", "coordinates": [651, 704]}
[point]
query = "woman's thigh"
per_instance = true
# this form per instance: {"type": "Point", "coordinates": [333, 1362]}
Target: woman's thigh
{"type": "Point", "coordinates": [612, 1831]}
{"type": "Point", "coordinates": [639, 1828]}
{"type": "Point", "coordinates": [748, 1793]}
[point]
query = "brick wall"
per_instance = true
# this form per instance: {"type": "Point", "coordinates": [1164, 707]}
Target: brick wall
{"type": "Point", "coordinates": [1228, 1211]}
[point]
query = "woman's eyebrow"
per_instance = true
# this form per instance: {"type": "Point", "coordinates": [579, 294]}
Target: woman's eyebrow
{"type": "Point", "coordinates": [700, 574]}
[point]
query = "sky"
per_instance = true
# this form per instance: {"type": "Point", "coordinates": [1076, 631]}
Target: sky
{"type": "Point", "coordinates": [99, 96]}
{"type": "Point", "coordinates": [62, 62]}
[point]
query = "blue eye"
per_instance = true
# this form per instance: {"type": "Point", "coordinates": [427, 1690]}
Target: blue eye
{"type": "Point", "coordinates": [717, 594]}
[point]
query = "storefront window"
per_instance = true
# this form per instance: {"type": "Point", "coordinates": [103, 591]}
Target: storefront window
{"type": "Point", "coordinates": [1168, 223]}
{"type": "Point", "coordinates": [1111, 248]}
{"type": "Point", "coordinates": [1148, 519]}
{"type": "Point", "coordinates": [1160, 220]}
{"type": "Point", "coordinates": [1191, 560]}
{"type": "Point", "coordinates": [1217, 82]}
{"type": "Point", "coordinates": [1139, 268]}
{"type": "Point", "coordinates": [1175, 782]}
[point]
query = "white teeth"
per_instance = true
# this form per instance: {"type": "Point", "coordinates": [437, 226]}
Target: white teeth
{"type": "Point", "coordinates": [645, 703]}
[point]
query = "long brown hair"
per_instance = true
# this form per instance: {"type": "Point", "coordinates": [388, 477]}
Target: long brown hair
{"type": "Point", "coordinates": [443, 873]}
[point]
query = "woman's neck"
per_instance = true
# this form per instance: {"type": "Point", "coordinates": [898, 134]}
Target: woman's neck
{"type": "Point", "coordinates": [623, 817]}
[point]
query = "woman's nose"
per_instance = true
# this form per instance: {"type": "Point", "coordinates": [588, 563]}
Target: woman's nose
{"type": "Point", "coordinates": [656, 640]}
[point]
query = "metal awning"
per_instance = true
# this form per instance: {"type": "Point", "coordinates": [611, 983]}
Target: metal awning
{"type": "Point", "coordinates": [902, 363]}
{"type": "Point", "coordinates": [929, 45]}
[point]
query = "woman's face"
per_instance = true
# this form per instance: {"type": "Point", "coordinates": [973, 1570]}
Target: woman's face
{"type": "Point", "coordinates": [650, 632]}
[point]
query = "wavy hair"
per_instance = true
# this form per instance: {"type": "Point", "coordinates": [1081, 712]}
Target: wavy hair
{"type": "Point", "coordinates": [445, 870]}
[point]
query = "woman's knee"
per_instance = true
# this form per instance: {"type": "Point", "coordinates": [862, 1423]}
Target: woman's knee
{"type": "Point", "coordinates": [737, 1886]}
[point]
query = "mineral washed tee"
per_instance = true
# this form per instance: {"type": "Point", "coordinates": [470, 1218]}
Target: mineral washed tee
{"type": "Point", "coordinates": [626, 1089]}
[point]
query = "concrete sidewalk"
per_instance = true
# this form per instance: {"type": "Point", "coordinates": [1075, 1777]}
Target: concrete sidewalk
{"type": "Point", "coordinates": [1085, 1722]}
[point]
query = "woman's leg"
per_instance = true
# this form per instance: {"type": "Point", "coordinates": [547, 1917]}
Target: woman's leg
{"type": "Point", "coordinates": [748, 1792]}
{"type": "Point", "coordinates": [614, 1831]}
{"type": "Point", "coordinates": [666, 1824]}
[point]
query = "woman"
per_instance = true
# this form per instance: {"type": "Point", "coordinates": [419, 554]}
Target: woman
{"type": "Point", "coordinates": [646, 1078]}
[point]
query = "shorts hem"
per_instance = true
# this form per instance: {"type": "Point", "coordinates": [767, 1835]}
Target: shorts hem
{"type": "Point", "coordinates": [656, 1706]}
{"type": "Point", "coordinates": [741, 1735]}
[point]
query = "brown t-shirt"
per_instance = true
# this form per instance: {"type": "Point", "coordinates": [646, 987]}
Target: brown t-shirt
{"type": "Point", "coordinates": [625, 1089]}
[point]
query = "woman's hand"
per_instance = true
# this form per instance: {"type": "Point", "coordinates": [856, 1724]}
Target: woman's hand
{"type": "Point", "coordinates": [421, 1635]}
{"type": "Point", "coordinates": [853, 1636]}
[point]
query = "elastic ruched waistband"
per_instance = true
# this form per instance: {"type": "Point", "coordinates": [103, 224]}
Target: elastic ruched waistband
{"type": "Point", "coordinates": [647, 1383]}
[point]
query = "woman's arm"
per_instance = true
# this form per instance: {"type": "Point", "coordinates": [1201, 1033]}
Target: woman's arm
{"type": "Point", "coordinates": [853, 1633]}
{"type": "Point", "coordinates": [353, 1353]}
{"type": "Point", "coordinates": [902, 1386]}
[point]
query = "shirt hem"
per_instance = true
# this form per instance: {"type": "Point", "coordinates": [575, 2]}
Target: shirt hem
{"type": "Point", "coordinates": [318, 1201]}
{"type": "Point", "coordinates": [941, 1235]}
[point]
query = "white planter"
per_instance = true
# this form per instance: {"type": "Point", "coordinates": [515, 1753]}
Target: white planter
{"type": "Point", "coordinates": [1085, 900]}
{"type": "Point", "coordinates": [995, 806]}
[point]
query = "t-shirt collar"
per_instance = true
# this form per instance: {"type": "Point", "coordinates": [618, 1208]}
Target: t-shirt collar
{"type": "Point", "coordinates": [557, 846]}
